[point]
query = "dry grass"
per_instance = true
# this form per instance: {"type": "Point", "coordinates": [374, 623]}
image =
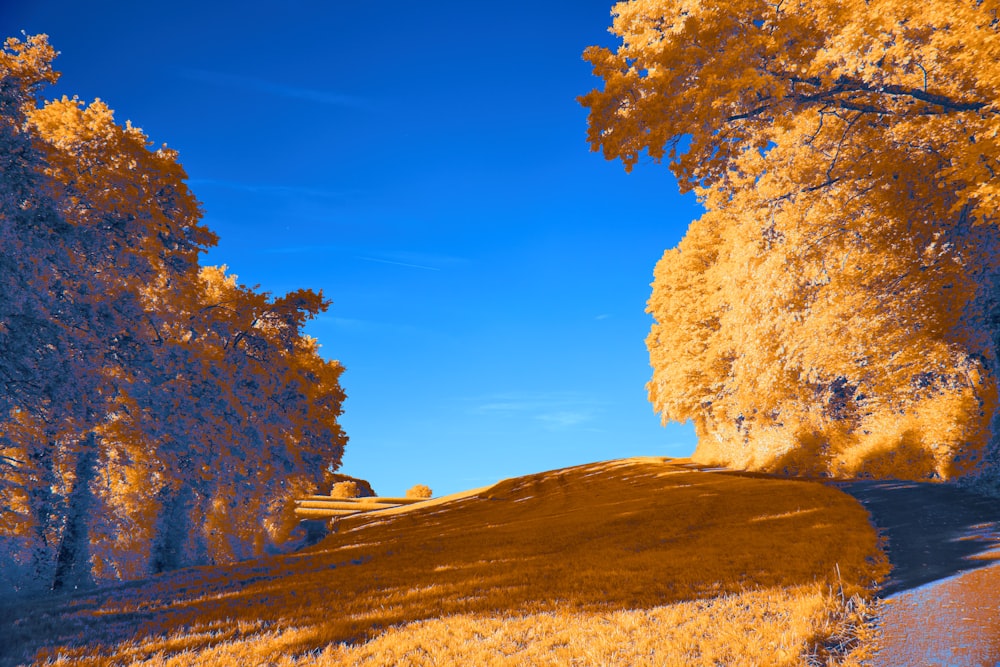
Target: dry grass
{"type": "Point", "coordinates": [775, 627]}
{"type": "Point", "coordinates": [629, 562]}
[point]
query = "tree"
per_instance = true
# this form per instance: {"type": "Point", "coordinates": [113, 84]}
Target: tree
{"type": "Point", "coordinates": [155, 413]}
{"type": "Point", "coordinates": [136, 238]}
{"type": "Point", "coordinates": [835, 309]}
{"type": "Point", "coordinates": [235, 419]}
{"type": "Point", "coordinates": [345, 490]}
{"type": "Point", "coordinates": [345, 486]}
{"type": "Point", "coordinates": [52, 381]}
{"type": "Point", "coordinates": [272, 431]}
{"type": "Point", "coordinates": [419, 491]}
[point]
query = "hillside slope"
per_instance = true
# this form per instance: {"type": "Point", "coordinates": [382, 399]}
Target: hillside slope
{"type": "Point", "coordinates": [639, 561]}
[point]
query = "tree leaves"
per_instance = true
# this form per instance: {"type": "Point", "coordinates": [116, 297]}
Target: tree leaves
{"type": "Point", "coordinates": [185, 408]}
{"type": "Point", "coordinates": [840, 288]}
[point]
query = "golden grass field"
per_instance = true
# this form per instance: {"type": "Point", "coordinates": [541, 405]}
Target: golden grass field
{"type": "Point", "coordinates": [632, 562]}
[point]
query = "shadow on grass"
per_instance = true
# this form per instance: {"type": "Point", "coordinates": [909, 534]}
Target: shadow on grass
{"type": "Point", "coordinates": [634, 534]}
{"type": "Point", "coordinates": [932, 530]}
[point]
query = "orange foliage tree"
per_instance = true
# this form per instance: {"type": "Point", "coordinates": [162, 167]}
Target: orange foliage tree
{"type": "Point", "coordinates": [156, 413]}
{"type": "Point", "coordinates": [419, 491]}
{"type": "Point", "coordinates": [834, 311]}
{"type": "Point", "coordinates": [235, 416]}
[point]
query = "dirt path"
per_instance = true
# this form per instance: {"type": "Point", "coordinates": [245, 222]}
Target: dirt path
{"type": "Point", "coordinates": [942, 600]}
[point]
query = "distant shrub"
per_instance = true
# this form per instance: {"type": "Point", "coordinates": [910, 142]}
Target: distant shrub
{"type": "Point", "coordinates": [345, 490]}
{"type": "Point", "coordinates": [365, 489]}
{"type": "Point", "coordinates": [420, 491]}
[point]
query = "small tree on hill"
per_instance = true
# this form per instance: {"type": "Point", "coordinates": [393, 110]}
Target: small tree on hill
{"type": "Point", "coordinates": [345, 490]}
{"type": "Point", "coordinates": [420, 491]}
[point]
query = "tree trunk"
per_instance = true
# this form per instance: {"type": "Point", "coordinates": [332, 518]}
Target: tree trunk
{"type": "Point", "coordinates": [173, 528]}
{"type": "Point", "coordinates": [42, 502]}
{"type": "Point", "coordinates": [73, 568]}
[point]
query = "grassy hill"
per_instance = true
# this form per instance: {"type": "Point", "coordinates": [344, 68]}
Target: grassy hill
{"type": "Point", "coordinates": [638, 561]}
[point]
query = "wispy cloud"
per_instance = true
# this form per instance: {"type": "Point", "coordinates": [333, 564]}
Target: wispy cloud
{"type": "Point", "coordinates": [364, 327]}
{"type": "Point", "coordinates": [348, 323]}
{"type": "Point", "coordinates": [564, 419]}
{"type": "Point", "coordinates": [555, 411]}
{"type": "Point", "coordinates": [418, 257]}
{"type": "Point", "coordinates": [602, 316]}
{"type": "Point", "coordinates": [406, 264]}
{"type": "Point", "coordinates": [502, 407]}
{"type": "Point", "coordinates": [326, 97]}
{"type": "Point", "coordinates": [412, 259]}
{"type": "Point", "coordinates": [528, 401]}
{"type": "Point", "coordinates": [266, 189]}
{"type": "Point", "coordinates": [299, 249]}
{"type": "Point", "coordinates": [409, 260]}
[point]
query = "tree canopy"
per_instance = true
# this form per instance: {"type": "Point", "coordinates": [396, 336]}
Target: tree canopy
{"type": "Point", "coordinates": [155, 413]}
{"type": "Point", "coordinates": [834, 311]}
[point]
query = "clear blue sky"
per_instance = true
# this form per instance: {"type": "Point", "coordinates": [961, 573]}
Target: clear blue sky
{"type": "Point", "coordinates": [426, 166]}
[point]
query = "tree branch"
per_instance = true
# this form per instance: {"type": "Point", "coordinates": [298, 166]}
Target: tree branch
{"type": "Point", "coordinates": [846, 86]}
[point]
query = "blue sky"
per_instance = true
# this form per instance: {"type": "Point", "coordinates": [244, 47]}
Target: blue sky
{"type": "Point", "coordinates": [426, 166]}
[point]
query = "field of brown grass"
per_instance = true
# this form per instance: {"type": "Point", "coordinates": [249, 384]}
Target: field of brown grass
{"type": "Point", "coordinates": [632, 562]}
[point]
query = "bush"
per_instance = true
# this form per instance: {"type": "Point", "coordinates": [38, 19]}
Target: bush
{"type": "Point", "coordinates": [420, 491]}
{"type": "Point", "coordinates": [365, 489]}
{"type": "Point", "coordinates": [345, 490]}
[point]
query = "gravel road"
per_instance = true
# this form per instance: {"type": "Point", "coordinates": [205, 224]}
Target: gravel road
{"type": "Point", "coordinates": [942, 599]}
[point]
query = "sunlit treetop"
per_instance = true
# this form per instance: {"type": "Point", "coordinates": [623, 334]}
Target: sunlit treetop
{"type": "Point", "coordinates": [834, 310]}
{"type": "Point", "coordinates": [28, 62]}
{"type": "Point", "coordinates": [733, 76]}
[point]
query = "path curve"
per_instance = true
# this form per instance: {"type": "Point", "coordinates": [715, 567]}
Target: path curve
{"type": "Point", "coordinates": [942, 599]}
